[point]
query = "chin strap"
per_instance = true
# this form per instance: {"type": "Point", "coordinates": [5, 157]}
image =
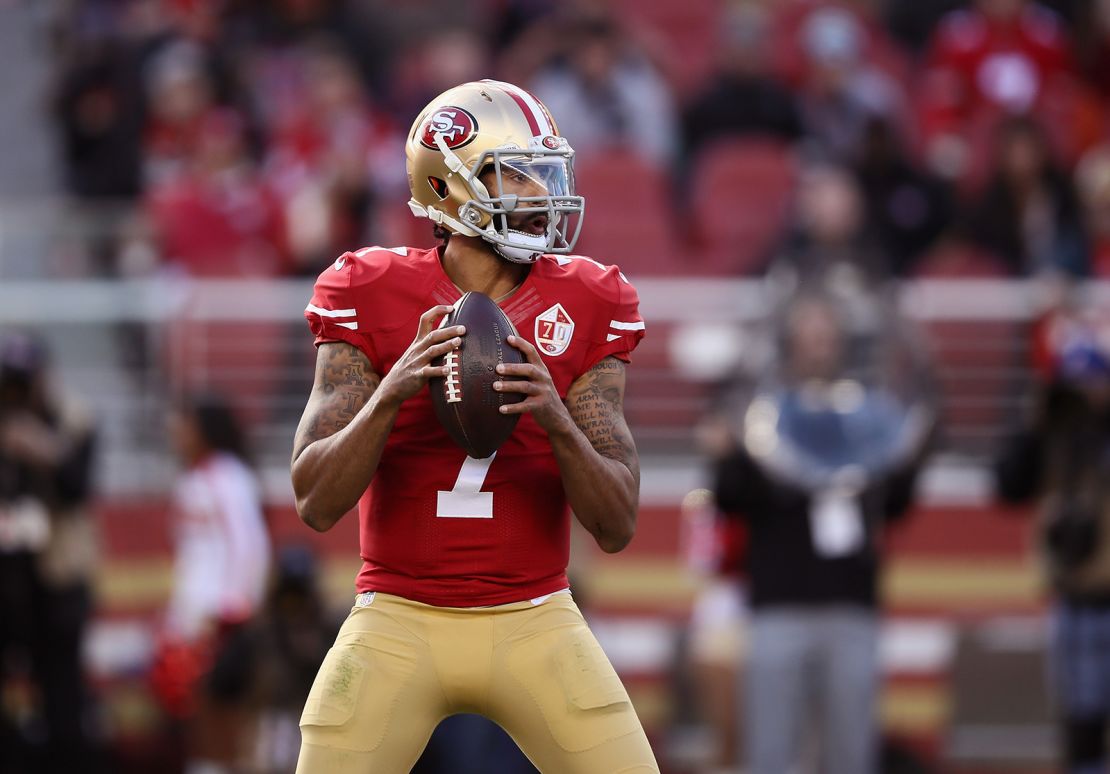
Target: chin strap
{"type": "Point", "coordinates": [442, 218]}
{"type": "Point", "coordinates": [528, 249]}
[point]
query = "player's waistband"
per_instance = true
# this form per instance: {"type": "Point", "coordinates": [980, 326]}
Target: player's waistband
{"type": "Point", "coordinates": [368, 598]}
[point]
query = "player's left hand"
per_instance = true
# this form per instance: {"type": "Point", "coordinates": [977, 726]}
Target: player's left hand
{"type": "Point", "coordinates": [541, 399]}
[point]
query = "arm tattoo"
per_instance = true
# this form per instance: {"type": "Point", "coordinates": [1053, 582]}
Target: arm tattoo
{"type": "Point", "coordinates": [345, 380]}
{"type": "Point", "coordinates": [596, 404]}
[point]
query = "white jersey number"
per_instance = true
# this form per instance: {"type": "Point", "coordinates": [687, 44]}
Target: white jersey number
{"type": "Point", "coordinates": [465, 501]}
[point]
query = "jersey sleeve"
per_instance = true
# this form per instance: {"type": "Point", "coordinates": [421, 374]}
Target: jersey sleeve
{"type": "Point", "coordinates": [620, 331]}
{"type": "Point", "coordinates": [333, 312]}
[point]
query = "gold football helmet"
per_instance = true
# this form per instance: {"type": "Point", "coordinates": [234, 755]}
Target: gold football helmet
{"type": "Point", "coordinates": [494, 127]}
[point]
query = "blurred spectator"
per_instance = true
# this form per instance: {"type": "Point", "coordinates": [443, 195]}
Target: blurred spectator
{"type": "Point", "coordinates": [262, 36]}
{"type": "Point", "coordinates": [180, 98]}
{"type": "Point", "coordinates": [997, 57]}
{"type": "Point", "coordinates": [268, 666]}
{"type": "Point", "coordinates": [1062, 314]}
{"type": "Point", "coordinates": [604, 90]}
{"type": "Point", "coordinates": [743, 97]}
{"type": "Point", "coordinates": [219, 219]}
{"type": "Point", "coordinates": [830, 243]}
{"type": "Point", "coordinates": [1028, 214]}
{"type": "Point", "coordinates": [47, 553]}
{"type": "Point", "coordinates": [1093, 181]}
{"type": "Point", "coordinates": [841, 91]}
{"type": "Point", "coordinates": [221, 562]}
{"type": "Point", "coordinates": [873, 41]}
{"type": "Point", "coordinates": [330, 153]}
{"type": "Point", "coordinates": [907, 208]}
{"type": "Point", "coordinates": [716, 638]}
{"type": "Point", "coordinates": [822, 458]}
{"type": "Point", "coordinates": [97, 104]}
{"type": "Point", "coordinates": [1061, 458]}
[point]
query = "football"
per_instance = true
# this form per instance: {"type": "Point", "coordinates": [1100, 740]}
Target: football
{"type": "Point", "coordinates": [465, 402]}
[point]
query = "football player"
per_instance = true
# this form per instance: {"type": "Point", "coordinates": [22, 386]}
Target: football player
{"type": "Point", "coordinates": [468, 609]}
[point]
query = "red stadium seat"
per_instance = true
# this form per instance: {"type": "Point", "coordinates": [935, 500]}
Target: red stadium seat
{"type": "Point", "coordinates": [629, 216]}
{"type": "Point", "coordinates": [739, 204]}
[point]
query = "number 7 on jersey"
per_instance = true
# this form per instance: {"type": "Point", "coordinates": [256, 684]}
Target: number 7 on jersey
{"type": "Point", "coordinates": [465, 500]}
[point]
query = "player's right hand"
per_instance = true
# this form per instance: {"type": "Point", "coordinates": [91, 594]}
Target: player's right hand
{"type": "Point", "coordinates": [414, 368]}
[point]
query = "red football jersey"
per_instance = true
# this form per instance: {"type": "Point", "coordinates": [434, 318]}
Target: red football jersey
{"type": "Point", "coordinates": [436, 526]}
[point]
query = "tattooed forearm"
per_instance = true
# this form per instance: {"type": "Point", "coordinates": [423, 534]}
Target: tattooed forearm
{"type": "Point", "coordinates": [355, 401]}
{"type": "Point", "coordinates": [596, 404]}
{"type": "Point", "coordinates": [344, 383]}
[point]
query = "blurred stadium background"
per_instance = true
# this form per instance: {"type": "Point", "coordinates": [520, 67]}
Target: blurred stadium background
{"type": "Point", "coordinates": [173, 173]}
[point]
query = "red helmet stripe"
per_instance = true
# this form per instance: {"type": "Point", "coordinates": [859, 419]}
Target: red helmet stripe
{"type": "Point", "coordinates": [534, 110]}
{"type": "Point", "coordinates": [532, 124]}
{"type": "Point", "coordinates": [546, 113]}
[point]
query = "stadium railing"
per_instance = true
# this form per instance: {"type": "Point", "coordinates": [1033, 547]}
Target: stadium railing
{"type": "Point", "coordinates": [126, 348]}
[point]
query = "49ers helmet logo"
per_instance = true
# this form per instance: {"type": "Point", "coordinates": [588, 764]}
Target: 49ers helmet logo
{"type": "Point", "coordinates": [458, 127]}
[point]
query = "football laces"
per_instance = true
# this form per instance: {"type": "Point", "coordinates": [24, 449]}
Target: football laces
{"type": "Point", "coordinates": [451, 385]}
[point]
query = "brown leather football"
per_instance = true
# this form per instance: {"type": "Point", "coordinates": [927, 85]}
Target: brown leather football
{"type": "Point", "coordinates": [465, 402]}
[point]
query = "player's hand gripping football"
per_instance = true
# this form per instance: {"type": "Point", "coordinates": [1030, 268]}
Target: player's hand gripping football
{"type": "Point", "coordinates": [413, 370]}
{"type": "Point", "coordinates": [541, 399]}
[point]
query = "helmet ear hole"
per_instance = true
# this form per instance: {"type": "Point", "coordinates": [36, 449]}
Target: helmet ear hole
{"type": "Point", "coordinates": [439, 186]}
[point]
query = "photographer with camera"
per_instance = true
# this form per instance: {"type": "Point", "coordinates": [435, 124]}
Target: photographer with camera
{"type": "Point", "coordinates": [46, 557]}
{"type": "Point", "coordinates": [1062, 457]}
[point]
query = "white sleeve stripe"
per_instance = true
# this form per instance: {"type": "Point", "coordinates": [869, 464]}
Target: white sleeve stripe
{"type": "Point", "coordinates": [330, 312]}
{"type": "Point", "coordinates": [626, 326]}
{"type": "Point", "coordinates": [402, 251]}
{"type": "Point", "coordinates": [352, 325]}
{"type": "Point", "coordinates": [612, 336]}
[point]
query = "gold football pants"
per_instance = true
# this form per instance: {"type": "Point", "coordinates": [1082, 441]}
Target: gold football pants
{"type": "Point", "coordinates": [400, 667]}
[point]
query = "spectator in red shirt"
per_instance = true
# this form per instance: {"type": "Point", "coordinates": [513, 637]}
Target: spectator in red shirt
{"type": "Point", "coordinates": [219, 220]}
{"type": "Point", "coordinates": [331, 153]}
{"type": "Point", "coordinates": [997, 57]}
{"type": "Point", "coordinates": [180, 96]}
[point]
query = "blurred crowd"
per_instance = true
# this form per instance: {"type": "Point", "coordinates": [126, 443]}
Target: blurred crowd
{"type": "Point", "coordinates": [830, 147]}
{"type": "Point", "coordinates": [263, 138]}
